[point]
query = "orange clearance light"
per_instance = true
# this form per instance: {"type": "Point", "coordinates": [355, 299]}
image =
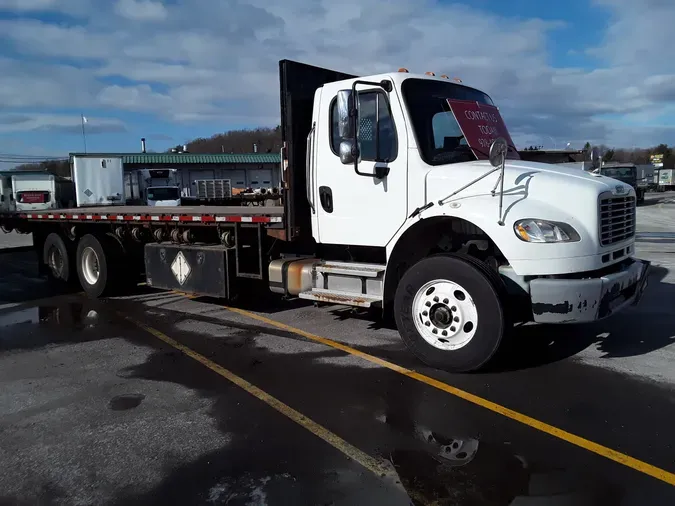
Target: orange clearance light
{"type": "Point", "coordinates": [457, 80]}
{"type": "Point", "coordinates": [445, 77]}
{"type": "Point", "coordinates": [402, 69]}
{"type": "Point", "coordinates": [430, 73]}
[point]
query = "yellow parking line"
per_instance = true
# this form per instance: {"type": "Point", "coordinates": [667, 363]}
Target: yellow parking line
{"type": "Point", "coordinates": [374, 465]}
{"type": "Point", "coordinates": [621, 458]}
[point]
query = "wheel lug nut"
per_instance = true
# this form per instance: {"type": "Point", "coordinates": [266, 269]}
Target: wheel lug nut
{"type": "Point", "coordinates": [425, 313]}
{"type": "Point", "coordinates": [452, 329]}
{"type": "Point", "coordinates": [436, 299]}
{"type": "Point", "coordinates": [428, 324]}
{"type": "Point", "coordinates": [453, 308]}
{"type": "Point", "coordinates": [445, 301]}
{"type": "Point", "coordinates": [456, 318]}
{"type": "Point", "coordinates": [435, 331]}
{"type": "Point", "coordinates": [445, 332]}
{"type": "Point", "coordinates": [428, 304]}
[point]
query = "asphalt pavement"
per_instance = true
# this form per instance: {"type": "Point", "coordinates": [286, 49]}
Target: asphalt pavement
{"type": "Point", "coordinates": [156, 398]}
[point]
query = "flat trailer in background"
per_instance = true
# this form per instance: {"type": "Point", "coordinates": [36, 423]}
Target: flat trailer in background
{"type": "Point", "coordinates": [399, 192]}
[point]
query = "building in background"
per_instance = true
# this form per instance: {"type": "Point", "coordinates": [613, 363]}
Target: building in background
{"type": "Point", "coordinates": [253, 171]}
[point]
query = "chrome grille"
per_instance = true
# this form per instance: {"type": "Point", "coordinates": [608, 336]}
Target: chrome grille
{"type": "Point", "coordinates": [617, 219]}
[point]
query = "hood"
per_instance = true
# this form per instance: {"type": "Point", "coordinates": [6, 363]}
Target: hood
{"type": "Point", "coordinates": [531, 190]}
{"type": "Point", "coordinates": [541, 179]}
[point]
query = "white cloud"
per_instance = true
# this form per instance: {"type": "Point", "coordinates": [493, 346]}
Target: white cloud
{"type": "Point", "coordinates": [141, 10]}
{"type": "Point", "coordinates": [201, 60]}
{"type": "Point", "coordinates": [28, 5]}
{"type": "Point", "coordinates": [37, 85]}
{"type": "Point", "coordinates": [75, 7]}
{"type": "Point", "coordinates": [58, 123]}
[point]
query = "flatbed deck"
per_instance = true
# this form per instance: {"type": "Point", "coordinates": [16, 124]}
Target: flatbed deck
{"type": "Point", "coordinates": [253, 214]}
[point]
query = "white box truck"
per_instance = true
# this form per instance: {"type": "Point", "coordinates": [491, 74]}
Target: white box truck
{"type": "Point", "coordinates": [401, 192]}
{"type": "Point", "coordinates": [36, 191]}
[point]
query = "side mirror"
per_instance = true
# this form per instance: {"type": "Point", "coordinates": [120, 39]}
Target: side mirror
{"type": "Point", "coordinates": [595, 158]}
{"type": "Point", "coordinates": [347, 155]}
{"type": "Point", "coordinates": [498, 151]}
{"type": "Point", "coordinates": [345, 104]}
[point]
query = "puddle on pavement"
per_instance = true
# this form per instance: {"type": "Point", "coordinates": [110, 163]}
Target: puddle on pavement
{"type": "Point", "coordinates": [125, 402]}
{"type": "Point", "coordinates": [74, 314]}
{"type": "Point", "coordinates": [27, 327]}
{"type": "Point", "coordinates": [467, 471]}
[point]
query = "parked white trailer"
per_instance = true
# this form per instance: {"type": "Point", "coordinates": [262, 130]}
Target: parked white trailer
{"type": "Point", "coordinates": [666, 181]}
{"type": "Point", "coordinates": [36, 191]}
{"type": "Point", "coordinates": [99, 181]}
{"type": "Point", "coordinates": [401, 192]}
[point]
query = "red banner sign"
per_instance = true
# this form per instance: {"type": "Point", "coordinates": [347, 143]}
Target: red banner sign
{"type": "Point", "coordinates": [32, 197]}
{"type": "Point", "coordinates": [481, 124]}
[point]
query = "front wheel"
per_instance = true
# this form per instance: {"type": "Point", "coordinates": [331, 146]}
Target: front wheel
{"type": "Point", "coordinates": [449, 311]}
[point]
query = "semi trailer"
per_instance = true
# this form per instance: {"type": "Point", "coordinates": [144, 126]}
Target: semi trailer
{"type": "Point", "coordinates": [400, 192]}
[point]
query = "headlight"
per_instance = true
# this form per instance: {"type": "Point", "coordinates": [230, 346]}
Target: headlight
{"type": "Point", "coordinates": [531, 230]}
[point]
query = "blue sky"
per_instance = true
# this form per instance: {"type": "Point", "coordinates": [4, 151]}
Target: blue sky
{"type": "Point", "coordinates": [170, 71]}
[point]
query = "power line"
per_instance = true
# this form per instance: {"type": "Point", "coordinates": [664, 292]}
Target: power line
{"type": "Point", "coordinates": [32, 157]}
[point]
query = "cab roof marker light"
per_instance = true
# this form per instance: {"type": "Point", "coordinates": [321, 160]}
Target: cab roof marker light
{"type": "Point", "coordinates": [445, 76]}
{"type": "Point", "coordinates": [430, 73]}
{"type": "Point", "coordinates": [403, 69]}
{"type": "Point", "coordinates": [457, 79]}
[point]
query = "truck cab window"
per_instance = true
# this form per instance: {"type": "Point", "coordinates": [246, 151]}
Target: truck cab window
{"type": "Point", "coordinates": [447, 134]}
{"type": "Point", "coordinates": [373, 110]}
{"type": "Point", "coordinates": [436, 130]}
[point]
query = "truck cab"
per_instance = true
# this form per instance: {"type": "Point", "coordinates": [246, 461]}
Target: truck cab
{"type": "Point", "coordinates": [626, 173]}
{"type": "Point", "coordinates": [416, 177]}
{"type": "Point", "coordinates": [163, 196]}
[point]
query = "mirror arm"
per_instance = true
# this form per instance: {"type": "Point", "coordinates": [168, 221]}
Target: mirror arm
{"type": "Point", "coordinates": [501, 189]}
{"type": "Point", "coordinates": [380, 172]}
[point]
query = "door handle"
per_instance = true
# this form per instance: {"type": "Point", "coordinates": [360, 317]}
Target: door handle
{"type": "Point", "coordinates": [326, 198]}
{"type": "Point", "coordinates": [309, 168]}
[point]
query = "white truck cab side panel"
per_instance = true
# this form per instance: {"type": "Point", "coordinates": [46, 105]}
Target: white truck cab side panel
{"type": "Point", "coordinates": [355, 209]}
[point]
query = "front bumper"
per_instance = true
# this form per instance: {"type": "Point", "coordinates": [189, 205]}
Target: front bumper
{"type": "Point", "coordinates": [584, 300]}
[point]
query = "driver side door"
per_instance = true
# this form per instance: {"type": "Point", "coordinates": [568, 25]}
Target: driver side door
{"type": "Point", "coordinates": [359, 209]}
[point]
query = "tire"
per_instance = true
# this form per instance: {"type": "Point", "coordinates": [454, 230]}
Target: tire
{"type": "Point", "coordinates": [58, 259]}
{"type": "Point", "coordinates": [98, 261]}
{"type": "Point", "coordinates": [482, 322]}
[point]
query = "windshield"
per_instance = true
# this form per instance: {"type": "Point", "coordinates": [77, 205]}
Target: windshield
{"type": "Point", "coordinates": [163, 193]}
{"type": "Point", "coordinates": [438, 134]}
{"type": "Point", "coordinates": [619, 172]}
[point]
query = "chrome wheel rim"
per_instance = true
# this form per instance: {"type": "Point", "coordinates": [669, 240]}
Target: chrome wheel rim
{"type": "Point", "coordinates": [91, 267]}
{"type": "Point", "coordinates": [445, 314]}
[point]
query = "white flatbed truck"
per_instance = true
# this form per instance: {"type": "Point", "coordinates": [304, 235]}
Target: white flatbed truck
{"type": "Point", "coordinates": [401, 192]}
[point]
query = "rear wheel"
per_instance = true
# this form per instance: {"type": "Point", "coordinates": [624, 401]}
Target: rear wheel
{"type": "Point", "coordinates": [98, 265]}
{"type": "Point", "coordinates": [449, 311]}
{"type": "Point", "coordinates": [58, 259]}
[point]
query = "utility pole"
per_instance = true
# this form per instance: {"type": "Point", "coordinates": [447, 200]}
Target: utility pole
{"type": "Point", "coordinates": [84, 135]}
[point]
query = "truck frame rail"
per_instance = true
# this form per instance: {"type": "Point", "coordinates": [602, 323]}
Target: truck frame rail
{"type": "Point", "coordinates": [114, 214]}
